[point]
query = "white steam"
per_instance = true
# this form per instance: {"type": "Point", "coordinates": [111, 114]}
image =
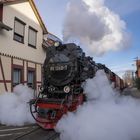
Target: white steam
{"type": "Point", "coordinates": [105, 116]}
{"type": "Point", "coordinates": [95, 26]}
{"type": "Point", "coordinates": [14, 107]}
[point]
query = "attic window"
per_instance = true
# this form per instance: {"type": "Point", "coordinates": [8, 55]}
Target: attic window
{"type": "Point", "coordinates": [19, 29]}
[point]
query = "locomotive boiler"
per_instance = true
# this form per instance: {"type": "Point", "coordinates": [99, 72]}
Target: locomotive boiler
{"type": "Point", "coordinates": [65, 67]}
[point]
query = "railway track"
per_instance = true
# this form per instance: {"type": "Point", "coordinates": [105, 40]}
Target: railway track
{"type": "Point", "coordinates": [39, 134]}
{"type": "Point", "coordinates": [27, 133]}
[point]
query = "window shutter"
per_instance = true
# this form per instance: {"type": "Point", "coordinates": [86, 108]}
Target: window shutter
{"type": "Point", "coordinates": [19, 28]}
{"type": "Point", "coordinates": [32, 37]}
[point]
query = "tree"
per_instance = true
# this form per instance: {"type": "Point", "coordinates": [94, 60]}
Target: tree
{"type": "Point", "coordinates": [128, 77]}
{"type": "Point", "coordinates": [137, 82]}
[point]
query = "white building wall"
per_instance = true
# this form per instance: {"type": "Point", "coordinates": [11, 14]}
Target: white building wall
{"type": "Point", "coordinates": [16, 53]}
{"type": "Point", "coordinates": [24, 12]}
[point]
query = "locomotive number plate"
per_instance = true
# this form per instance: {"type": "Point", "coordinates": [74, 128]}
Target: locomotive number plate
{"type": "Point", "coordinates": [58, 68]}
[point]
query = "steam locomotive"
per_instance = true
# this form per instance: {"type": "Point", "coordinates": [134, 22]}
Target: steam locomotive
{"type": "Point", "coordinates": [65, 68]}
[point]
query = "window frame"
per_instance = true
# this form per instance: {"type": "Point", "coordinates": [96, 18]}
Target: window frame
{"type": "Point", "coordinates": [29, 69]}
{"type": "Point", "coordinates": [21, 76]}
{"type": "Point", "coordinates": [16, 34]}
{"type": "Point", "coordinates": [31, 45]}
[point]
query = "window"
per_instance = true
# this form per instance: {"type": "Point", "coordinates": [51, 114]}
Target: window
{"type": "Point", "coordinates": [19, 30]}
{"type": "Point", "coordinates": [31, 79]}
{"type": "Point", "coordinates": [32, 37]}
{"type": "Point", "coordinates": [16, 76]}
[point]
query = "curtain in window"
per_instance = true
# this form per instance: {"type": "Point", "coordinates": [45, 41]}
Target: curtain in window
{"type": "Point", "coordinates": [16, 76]}
{"type": "Point", "coordinates": [31, 79]}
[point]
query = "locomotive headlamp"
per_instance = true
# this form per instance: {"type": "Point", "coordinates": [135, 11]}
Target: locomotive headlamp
{"type": "Point", "coordinates": [57, 43]}
{"type": "Point", "coordinates": [66, 89]}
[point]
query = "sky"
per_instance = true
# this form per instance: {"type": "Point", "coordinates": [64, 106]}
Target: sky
{"type": "Point", "coordinates": [58, 18]}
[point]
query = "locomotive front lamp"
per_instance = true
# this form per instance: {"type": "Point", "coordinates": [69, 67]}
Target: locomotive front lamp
{"type": "Point", "coordinates": [57, 43]}
{"type": "Point", "coordinates": [66, 89]}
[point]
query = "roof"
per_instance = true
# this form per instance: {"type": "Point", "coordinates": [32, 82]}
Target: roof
{"type": "Point", "coordinates": [53, 37]}
{"type": "Point", "coordinates": [38, 16]}
{"type": "Point", "coordinates": [34, 9]}
{"type": "Point", "coordinates": [3, 1]}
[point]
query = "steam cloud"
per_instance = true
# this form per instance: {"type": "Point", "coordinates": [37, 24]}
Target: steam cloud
{"type": "Point", "coordinates": [95, 26]}
{"type": "Point", "coordinates": [14, 109]}
{"type": "Point", "coordinates": [105, 116]}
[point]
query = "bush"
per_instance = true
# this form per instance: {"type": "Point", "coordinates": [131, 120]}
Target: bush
{"type": "Point", "coordinates": [137, 81]}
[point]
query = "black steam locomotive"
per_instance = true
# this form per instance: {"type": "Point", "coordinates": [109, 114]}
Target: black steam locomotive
{"type": "Point", "coordinates": [64, 70]}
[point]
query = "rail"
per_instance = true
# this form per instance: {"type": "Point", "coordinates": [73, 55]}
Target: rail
{"type": "Point", "coordinates": [38, 132]}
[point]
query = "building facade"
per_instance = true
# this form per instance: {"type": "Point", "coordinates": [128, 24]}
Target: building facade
{"type": "Point", "coordinates": [138, 68]}
{"type": "Point", "coordinates": [21, 37]}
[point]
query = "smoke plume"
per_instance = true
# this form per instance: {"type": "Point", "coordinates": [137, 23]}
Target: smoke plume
{"type": "Point", "coordinates": [106, 115]}
{"type": "Point", "coordinates": [14, 107]}
{"type": "Point", "coordinates": [95, 26]}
